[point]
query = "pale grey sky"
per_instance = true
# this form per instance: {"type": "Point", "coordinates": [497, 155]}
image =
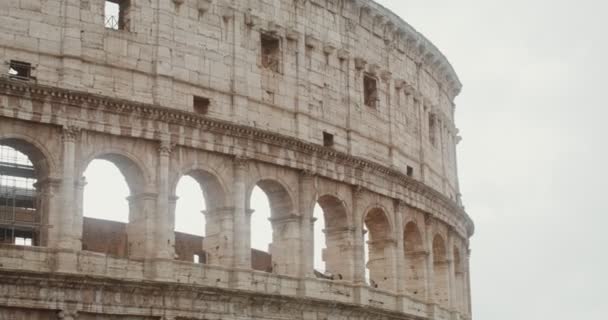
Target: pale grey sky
{"type": "Point", "coordinates": [531, 114]}
{"type": "Point", "coordinates": [532, 162]}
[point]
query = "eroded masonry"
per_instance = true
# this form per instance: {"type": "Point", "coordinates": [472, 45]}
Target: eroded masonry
{"type": "Point", "coordinates": [338, 103]}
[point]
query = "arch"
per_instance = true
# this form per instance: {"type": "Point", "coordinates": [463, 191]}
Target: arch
{"type": "Point", "coordinates": [337, 237]}
{"type": "Point", "coordinates": [440, 271]}
{"type": "Point", "coordinates": [132, 168]}
{"type": "Point", "coordinates": [37, 152]}
{"type": "Point", "coordinates": [415, 260]}
{"type": "Point", "coordinates": [123, 239]}
{"type": "Point", "coordinates": [380, 242]}
{"type": "Point", "coordinates": [198, 248]}
{"type": "Point", "coordinates": [283, 225]}
{"type": "Point", "coordinates": [23, 219]}
{"type": "Point", "coordinates": [279, 196]}
{"type": "Point", "coordinates": [377, 222]}
{"type": "Point", "coordinates": [211, 184]}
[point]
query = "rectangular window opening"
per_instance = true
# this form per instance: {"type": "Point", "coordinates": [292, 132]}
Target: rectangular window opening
{"type": "Point", "coordinates": [432, 129]}
{"type": "Point", "coordinates": [271, 53]}
{"type": "Point", "coordinates": [328, 139]}
{"type": "Point", "coordinates": [116, 14]}
{"type": "Point", "coordinates": [410, 171]}
{"type": "Point", "coordinates": [20, 70]}
{"type": "Point", "coordinates": [370, 91]}
{"type": "Point", "coordinates": [196, 259]}
{"type": "Point", "coordinates": [201, 104]}
{"type": "Point", "coordinates": [23, 241]}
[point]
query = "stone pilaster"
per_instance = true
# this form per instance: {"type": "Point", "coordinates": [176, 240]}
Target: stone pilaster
{"type": "Point", "coordinates": [49, 209]}
{"type": "Point", "coordinates": [242, 223]}
{"type": "Point", "coordinates": [430, 276]}
{"type": "Point", "coordinates": [306, 208]}
{"type": "Point", "coordinates": [399, 261]}
{"type": "Point", "coordinates": [164, 224]}
{"type": "Point", "coordinates": [219, 236]}
{"type": "Point", "coordinates": [285, 247]}
{"type": "Point", "coordinates": [359, 243]}
{"type": "Point", "coordinates": [451, 272]}
{"type": "Point", "coordinates": [79, 217]}
{"type": "Point", "coordinates": [141, 228]}
{"type": "Point", "coordinates": [66, 233]}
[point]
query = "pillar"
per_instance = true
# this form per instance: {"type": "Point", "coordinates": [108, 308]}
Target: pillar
{"type": "Point", "coordinates": [467, 284]}
{"type": "Point", "coordinates": [49, 208]}
{"type": "Point", "coordinates": [285, 247]}
{"type": "Point", "coordinates": [164, 223]}
{"type": "Point", "coordinates": [399, 254]}
{"type": "Point", "coordinates": [451, 271]}
{"type": "Point", "coordinates": [358, 239]}
{"type": "Point", "coordinates": [219, 234]}
{"type": "Point", "coordinates": [79, 216]}
{"type": "Point", "coordinates": [140, 230]}
{"type": "Point", "coordinates": [430, 276]}
{"type": "Point", "coordinates": [66, 220]}
{"type": "Point", "coordinates": [306, 208]}
{"type": "Point", "coordinates": [242, 221]}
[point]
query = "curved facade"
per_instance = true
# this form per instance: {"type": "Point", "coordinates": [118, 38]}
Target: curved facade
{"type": "Point", "coordinates": [335, 102]}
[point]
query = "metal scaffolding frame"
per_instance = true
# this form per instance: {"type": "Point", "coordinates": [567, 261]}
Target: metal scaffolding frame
{"type": "Point", "coordinates": [19, 219]}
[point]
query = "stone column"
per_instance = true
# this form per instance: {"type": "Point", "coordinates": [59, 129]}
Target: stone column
{"type": "Point", "coordinates": [467, 284]}
{"type": "Point", "coordinates": [358, 250]}
{"type": "Point", "coordinates": [219, 234]}
{"type": "Point", "coordinates": [285, 247]}
{"type": "Point", "coordinates": [451, 271]}
{"type": "Point", "coordinates": [49, 209]}
{"type": "Point", "coordinates": [241, 235]}
{"type": "Point", "coordinates": [141, 228]}
{"type": "Point", "coordinates": [306, 207]}
{"type": "Point", "coordinates": [66, 235]}
{"type": "Point", "coordinates": [79, 217]}
{"type": "Point", "coordinates": [164, 223]}
{"type": "Point", "coordinates": [399, 255]}
{"type": "Point", "coordinates": [430, 276]}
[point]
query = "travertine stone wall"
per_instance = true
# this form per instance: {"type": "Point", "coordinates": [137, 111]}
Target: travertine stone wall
{"type": "Point", "coordinates": [127, 96]}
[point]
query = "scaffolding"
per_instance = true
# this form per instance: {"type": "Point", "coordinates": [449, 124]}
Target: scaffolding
{"type": "Point", "coordinates": [19, 220]}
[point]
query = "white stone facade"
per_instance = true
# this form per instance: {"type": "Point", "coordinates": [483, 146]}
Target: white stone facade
{"type": "Point", "coordinates": [338, 102]}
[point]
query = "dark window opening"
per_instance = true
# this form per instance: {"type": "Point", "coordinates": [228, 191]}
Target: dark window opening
{"type": "Point", "coordinates": [328, 139]}
{"type": "Point", "coordinates": [271, 53]}
{"type": "Point", "coordinates": [201, 104]}
{"type": "Point", "coordinates": [116, 14]}
{"type": "Point", "coordinates": [20, 70]}
{"type": "Point", "coordinates": [370, 91]}
{"type": "Point", "coordinates": [410, 171]}
{"type": "Point", "coordinates": [432, 129]}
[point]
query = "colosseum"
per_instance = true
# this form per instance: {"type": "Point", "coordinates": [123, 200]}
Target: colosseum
{"type": "Point", "coordinates": [336, 103]}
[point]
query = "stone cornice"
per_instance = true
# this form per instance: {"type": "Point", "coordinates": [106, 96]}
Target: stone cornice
{"type": "Point", "coordinates": [178, 117]}
{"type": "Point", "coordinates": [280, 303]}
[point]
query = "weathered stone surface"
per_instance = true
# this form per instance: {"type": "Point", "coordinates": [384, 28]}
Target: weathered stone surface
{"type": "Point", "coordinates": [336, 102]}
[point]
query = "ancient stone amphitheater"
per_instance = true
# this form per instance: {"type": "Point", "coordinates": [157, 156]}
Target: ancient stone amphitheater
{"type": "Point", "coordinates": [335, 102]}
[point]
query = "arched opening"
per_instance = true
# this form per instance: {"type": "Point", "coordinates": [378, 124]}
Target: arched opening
{"type": "Point", "coordinates": [114, 207]}
{"type": "Point", "coordinates": [273, 224]}
{"type": "Point", "coordinates": [21, 217]}
{"type": "Point", "coordinates": [378, 243]}
{"type": "Point", "coordinates": [332, 237]}
{"type": "Point", "coordinates": [440, 272]}
{"type": "Point", "coordinates": [415, 261]}
{"type": "Point", "coordinates": [198, 213]}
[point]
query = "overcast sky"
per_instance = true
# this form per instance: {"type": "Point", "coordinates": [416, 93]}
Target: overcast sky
{"type": "Point", "coordinates": [532, 162]}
